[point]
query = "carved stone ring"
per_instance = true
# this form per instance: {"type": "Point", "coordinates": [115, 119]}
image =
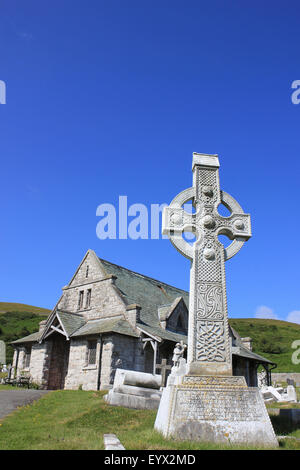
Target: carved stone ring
{"type": "Point", "coordinates": [181, 221]}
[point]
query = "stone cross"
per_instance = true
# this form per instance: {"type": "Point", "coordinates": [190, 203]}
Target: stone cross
{"type": "Point", "coordinates": [209, 350]}
{"type": "Point", "coordinates": [163, 371]}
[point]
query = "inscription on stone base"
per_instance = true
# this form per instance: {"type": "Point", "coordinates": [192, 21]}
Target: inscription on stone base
{"type": "Point", "coordinates": [223, 405]}
{"type": "Point", "coordinates": [215, 409]}
{"type": "Point", "coordinates": [211, 381]}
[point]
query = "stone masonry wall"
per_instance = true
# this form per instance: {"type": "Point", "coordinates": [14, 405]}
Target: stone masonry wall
{"type": "Point", "coordinates": [118, 351]}
{"type": "Point", "coordinates": [19, 366]}
{"type": "Point", "coordinates": [282, 376]}
{"type": "Point", "coordinates": [80, 374]}
{"type": "Point", "coordinates": [39, 363]}
{"type": "Point", "coordinates": [127, 353]}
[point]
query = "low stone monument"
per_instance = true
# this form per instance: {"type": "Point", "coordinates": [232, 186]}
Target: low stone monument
{"type": "Point", "coordinates": [207, 403]}
{"type": "Point", "coordinates": [276, 394]}
{"type": "Point", "coordinates": [138, 390]}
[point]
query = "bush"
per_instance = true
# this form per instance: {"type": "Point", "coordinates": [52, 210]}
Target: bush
{"type": "Point", "coordinates": [271, 348]}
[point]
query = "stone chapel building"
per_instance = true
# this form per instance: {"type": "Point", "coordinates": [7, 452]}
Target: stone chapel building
{"type": "Point", "coordinates": [109, 317]}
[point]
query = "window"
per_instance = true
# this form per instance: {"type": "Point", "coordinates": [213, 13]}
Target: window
{"type": "Point", "coordinates": [87, 271]}
{"type": "Point", "coordinates": [27, 358]}
{"type": "Point", "coordinates": [91, 352]}
{"type": "Point", "coordinates": [180, 326]}
{"type": "Point", "coordinates": [80, 300]}
{"type": "Point", "coordinates": [88, 298]}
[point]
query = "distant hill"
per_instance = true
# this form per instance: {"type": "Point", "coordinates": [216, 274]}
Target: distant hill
{"type": "Point", "coordinates": [271, 339]}
{"type": "Point", "coordinates": [14, 307]}
{"type": "Point", "coordinates": [18, 320]}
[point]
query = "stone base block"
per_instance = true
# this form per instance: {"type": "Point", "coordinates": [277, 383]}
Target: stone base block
{"type": "Point", "coordinates": [215, 409]}
{"type": "Point", "coordinates": [134, 397]}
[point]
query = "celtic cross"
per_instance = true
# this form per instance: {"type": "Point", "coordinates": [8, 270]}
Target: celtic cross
{"type": "Point", "coordinates": [208, 337]}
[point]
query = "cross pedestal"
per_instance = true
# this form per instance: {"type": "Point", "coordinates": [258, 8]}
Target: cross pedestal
{"type": "Point", "coordinates": [208, 403]}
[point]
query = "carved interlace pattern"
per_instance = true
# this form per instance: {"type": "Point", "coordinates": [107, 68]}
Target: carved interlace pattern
{"type": "Point", "coordinates": [210, 301]}
{"type": "Point", "coordinates": [210, 345]}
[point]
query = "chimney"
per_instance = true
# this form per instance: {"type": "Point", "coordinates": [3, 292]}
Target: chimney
{"type": "Point", "coordinates": [133, 313]}
{"type": "Point", "coordinates": [42, 325]}
{"type": "Point", "coordinates": [247, 342]}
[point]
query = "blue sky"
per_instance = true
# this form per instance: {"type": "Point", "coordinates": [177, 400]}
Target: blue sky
{"type": "Point", "coordinates": [109, 98]}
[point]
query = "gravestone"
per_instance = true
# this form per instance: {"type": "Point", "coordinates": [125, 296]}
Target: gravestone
{"type": "Point", "coordinates": [163, 367]}
{"type": "Point", "coordinates": [133, 389]}
{"type": "Point", "coordinates": [290, 382]}
{"type": "Point", "coordinates": [2, 352]}
{"type": "Point", "coordinates": [207, 403]}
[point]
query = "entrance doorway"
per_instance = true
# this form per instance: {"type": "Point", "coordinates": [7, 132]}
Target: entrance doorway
{"type": "Point", "coordinates": [58, 362]}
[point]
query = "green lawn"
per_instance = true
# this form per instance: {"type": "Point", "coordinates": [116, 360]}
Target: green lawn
{"type": "Point", "coordinates": [77, 420]}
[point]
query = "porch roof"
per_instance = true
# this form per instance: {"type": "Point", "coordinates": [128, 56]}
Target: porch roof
{"type": "Point", "coordinates": [28, 339]}
{"type": "Point", "coordinates": [106, 325]}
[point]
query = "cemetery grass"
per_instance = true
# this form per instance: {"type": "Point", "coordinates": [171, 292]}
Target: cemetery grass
{"type": "Point", "coordinates": [77, 420]}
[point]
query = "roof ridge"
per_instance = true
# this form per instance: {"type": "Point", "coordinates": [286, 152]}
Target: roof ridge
{"type": "Point", "coordinates": [144, 275]}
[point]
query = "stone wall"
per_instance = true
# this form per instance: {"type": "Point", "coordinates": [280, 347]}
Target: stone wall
{"type": "Point", "coordinates": [116, 351]}
{"type": "Point", "coordinates": [18, 360]}
{"type": "Point", "coordinates": [80, 374]}
{"type": "Point", "coordinates": [127, 353]}
{"type": "Point", "coordinates": [39, 363]}
{"type": "Point", "coordinates": [105, 298]}
{"type": "Point", "coordinates": [282, 376]}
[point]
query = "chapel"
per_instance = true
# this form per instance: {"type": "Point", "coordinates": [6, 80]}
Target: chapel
{"type": "Point", "coordinates": [109, 317]}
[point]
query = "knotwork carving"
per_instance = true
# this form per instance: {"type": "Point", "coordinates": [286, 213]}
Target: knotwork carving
{"type": "Point", "coordinates": [210, 341]}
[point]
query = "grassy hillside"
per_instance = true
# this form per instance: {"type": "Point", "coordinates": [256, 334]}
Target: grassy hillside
{"type": "Point", "coordinates": [13, 307]}
{"type": "Point", "coordinates": [271, 339]}
{"type": "Point", "coordinates": [18, 320]}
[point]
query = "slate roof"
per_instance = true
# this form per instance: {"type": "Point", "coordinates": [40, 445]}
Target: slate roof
{"type": "Point", "coordinates": [245, 352]}
{"type": "Point", "coordinates": [114, 325]}
{"type": "Point", "coordinates": [145, 291]}
{"type": "Point", "coordinates": [71, 321]}
{"type": "Point", "coordinates": [28, 339]}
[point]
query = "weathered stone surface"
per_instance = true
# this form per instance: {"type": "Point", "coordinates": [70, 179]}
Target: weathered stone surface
{"type": "Point", "coordinates": [137, 402]}
{"type": "Point", "coordinates": [283, 376]}
{"type": "Point", "coordinates": [278, 394]}
{"type": "Point", "coordinates": [111, 442]}
{"type": "Point", "coordinates": [218, 409]}
{"type": "Point", "coordinates": [133, 389]}
{"type": "Point", "coordinates": [209, 404]}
